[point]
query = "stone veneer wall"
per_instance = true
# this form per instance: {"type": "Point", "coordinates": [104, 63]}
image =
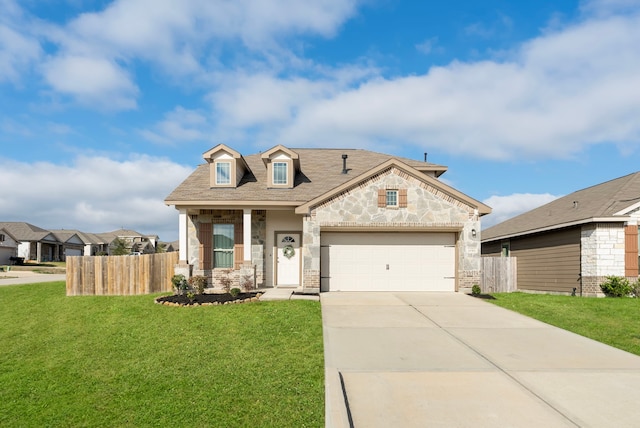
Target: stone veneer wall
{"type": "Point", "coordinates": [602, 255]}
{"type": "Point", "coordinates": [427, 207]}
{"type": "Point", "coordinates": [258, 242]}
{"type": "Point", "coordinates": [258, 238]}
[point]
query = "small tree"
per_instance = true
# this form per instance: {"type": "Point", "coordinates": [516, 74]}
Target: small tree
{"type": "Point", "coordinates": [161, 247]}
{"type": "Point", "coordinates": [119, 248]}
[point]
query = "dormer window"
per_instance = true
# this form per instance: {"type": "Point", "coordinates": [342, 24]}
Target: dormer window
{"type": "Point", "coordinates": [280, 173]}
{"type": "Point", "coordinates": [223, 173]}
{"type": "Point", "coordinates": [226, 166]}
{"type": "Point", "coordinates": [282, 165]}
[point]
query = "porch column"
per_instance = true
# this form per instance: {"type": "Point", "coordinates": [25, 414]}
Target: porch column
{"type": "Point", "coordinates": [182, 230]}
{"type": "Point", "coordinates": [246, 233]}
{"type": "Point", "coordinates": [39, 252]}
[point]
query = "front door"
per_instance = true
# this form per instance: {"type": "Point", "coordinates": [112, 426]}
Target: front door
{"type": "Point", "coordinates": [288, 259]}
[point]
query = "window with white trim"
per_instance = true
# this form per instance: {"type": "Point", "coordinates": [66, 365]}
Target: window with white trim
{"type": "Point", "coordinates": [392, 198]}
{"type": "Point", "coordinates": [280, 172]}
{"type": "Point", "coordinates": [223, 240]}
{"type": "Point", "coordinates": [223, 173]}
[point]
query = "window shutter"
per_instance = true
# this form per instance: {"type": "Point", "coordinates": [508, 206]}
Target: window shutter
{"type": "Point", "coordinates": [402, 198]}
{"type": "Point", "coordinates": [631, 251]}
{"type": "Point", "coordinates": [382, 198]}
{"type": "Point", "coordinates": [205, 236]}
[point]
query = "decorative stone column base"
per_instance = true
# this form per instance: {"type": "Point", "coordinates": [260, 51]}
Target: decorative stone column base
{"type": "Point", "coordinates": [183, 269]}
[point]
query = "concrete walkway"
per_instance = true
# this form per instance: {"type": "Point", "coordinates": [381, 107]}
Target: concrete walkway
{"type": "Point", "coordinates": [451, 360]}
{"type": "Point", "coordinates": [28, 277]}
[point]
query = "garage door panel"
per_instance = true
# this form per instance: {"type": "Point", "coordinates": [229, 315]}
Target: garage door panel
{"type": "Point", "coordinates": [388, 261]}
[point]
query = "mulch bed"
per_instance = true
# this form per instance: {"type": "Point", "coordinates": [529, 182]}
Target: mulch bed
{"type": "Point", "coordinates": [208, 299]}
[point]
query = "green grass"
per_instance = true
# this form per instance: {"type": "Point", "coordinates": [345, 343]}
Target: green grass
{"type": "Point", "coordinates": [614, 321]}
{"type": "Point", "coordinates": [125, 361]}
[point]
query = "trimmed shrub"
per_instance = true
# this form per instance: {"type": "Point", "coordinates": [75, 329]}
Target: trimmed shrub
{"type": "Point", "coordinates": [475, 290]}
{"type": "Point", "coordinates": [616, 286]}
{"type": "Point", "coordinates": [179, 284]}
{"type": "Point", "coordinates": [198, 283]}
{"type": "Point", "coordinates": [234, 291]}
{"type": "Point", "coordinates": [635, 288]}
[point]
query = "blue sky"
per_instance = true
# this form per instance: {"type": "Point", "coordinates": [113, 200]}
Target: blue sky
{"type": "Point", "coordinates": [105, 106]}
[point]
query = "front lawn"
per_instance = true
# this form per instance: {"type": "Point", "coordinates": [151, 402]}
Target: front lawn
{"type": "Point", "coordinates": [125, 361]}
{"type": "Point", "coordinates": [614, 321]}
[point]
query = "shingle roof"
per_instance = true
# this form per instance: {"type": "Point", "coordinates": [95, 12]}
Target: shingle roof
{"type": "Point", "coordinates": [603, 200]}
{"type": "Point", "coordinates": [320, 171]}
{"type": "Point", "coordinates": [88, 238]}
{"type": "Point", "coordinates": [24, 231]}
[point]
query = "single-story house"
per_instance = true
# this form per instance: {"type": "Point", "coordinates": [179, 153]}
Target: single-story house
{"type": "Point", "coordinates": [327, 220]}
{"type": "Point", "coordinates": [35, 243]}
{"type": "Point", "coordinates": [573, 242]}
{"type": "Point", "coordinates": [8, 247]}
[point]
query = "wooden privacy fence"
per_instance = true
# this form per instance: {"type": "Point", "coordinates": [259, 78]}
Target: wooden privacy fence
{"type": "Point", "coordinates": [499, 274]}
{"type": "Point", "coordinates": [120, 275]}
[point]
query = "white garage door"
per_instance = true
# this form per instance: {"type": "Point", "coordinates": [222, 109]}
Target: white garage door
{"type": "Point", "coordinates": [360, 261]}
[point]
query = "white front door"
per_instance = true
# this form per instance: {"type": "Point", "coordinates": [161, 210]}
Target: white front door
{"type": "Point", "coordinates": [288, 259]}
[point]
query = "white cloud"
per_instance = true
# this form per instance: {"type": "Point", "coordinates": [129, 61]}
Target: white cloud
{"type": "Point", "coordinates": [552, 97]}
{"type": "Point", "coordinates": [93, 194]}
{"type": "Point", "coordinates": [506, 207]}
{"type": "Point", "coordinates": [18, 51]}
{"type": "Point", "coordinates": [428, 46]}
{"type": "Point", "coordinates": [179, 37]}
{"type": "Point", "coordinates": [93, 81]}
{"type": "Point", "coordinates": [179, 125]}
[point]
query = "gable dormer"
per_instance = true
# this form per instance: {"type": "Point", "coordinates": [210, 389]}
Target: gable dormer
{"type": "Point", "coordinates": [282, 164]}
{"type": "Point", "coordinates": [226, 166]}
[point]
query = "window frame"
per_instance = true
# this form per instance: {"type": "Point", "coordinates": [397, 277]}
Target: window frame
{"type": "Point", "coordinates": [394, 196]}
{"type": "Point", "coordinates": [219, 164]}
{"type": "Point", "coordinates": [274, 169]}
{"type": "Point", "coordinates": [230, 228]}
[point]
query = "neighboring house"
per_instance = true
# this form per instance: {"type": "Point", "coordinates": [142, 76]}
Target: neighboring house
{"type": "Point", "coordinates": [35, 243]}
{"type": "Point", "coordinates": [136, 242]}
{"type": "Point", "coordinates": [575, 241]}
{"type": "Point", "coordinates": [327, 219]}
{"type": "Point", "coordinates": [8, 247]}
{"type": "Point", "coordinates": [78, 243]}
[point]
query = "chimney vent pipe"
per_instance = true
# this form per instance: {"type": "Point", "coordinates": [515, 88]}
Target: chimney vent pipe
{"type": "Point", "coordinates": [344, 164]}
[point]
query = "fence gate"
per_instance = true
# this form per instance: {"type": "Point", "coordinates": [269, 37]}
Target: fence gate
{"type": "Point", "coordinates": [499, 274]}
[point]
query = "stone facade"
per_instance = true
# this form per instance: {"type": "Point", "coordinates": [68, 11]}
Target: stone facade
{"type": "Point", "coordinates": [427, 209]}
{"type": "Point", "coordinates": [255, 270]}
{"type": "Point", "coordinates": [602, 255]}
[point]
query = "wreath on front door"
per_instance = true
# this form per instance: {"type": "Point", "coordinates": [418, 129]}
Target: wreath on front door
{"type": "Point", "coordinates": [288, 251]}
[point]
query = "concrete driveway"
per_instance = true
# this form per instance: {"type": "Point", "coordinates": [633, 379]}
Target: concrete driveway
{"type": "Point", "coordinates": [451, 360]}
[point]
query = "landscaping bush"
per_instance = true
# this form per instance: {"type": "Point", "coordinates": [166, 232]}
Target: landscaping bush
{"type": "Point", "coordinates": [475, 290]}
{"type": "Point", "coordinates": [635, 288]}
{"type": "Point", "coordinates": [616, 286]}
{"type": "Point", "coordinates": [180, 284]}
{"type": "Point", "coordinates": [234, 291]}
{"type": "Point", "coordinates": [198, 283]}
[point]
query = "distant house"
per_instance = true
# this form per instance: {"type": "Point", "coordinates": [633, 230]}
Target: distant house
{"type": "Point", "coordinates": [136, 242]}
{"type": "Point", "coordinates": [8, 246]}
{"type": "Point", "coordinates": [35, 243]}
{"type": "Point", "coordinates": [574, 242]}
{"type": "Point", "coordinates": [77, 243]}
{"type": "Point", "coordinates": [327, 220]}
